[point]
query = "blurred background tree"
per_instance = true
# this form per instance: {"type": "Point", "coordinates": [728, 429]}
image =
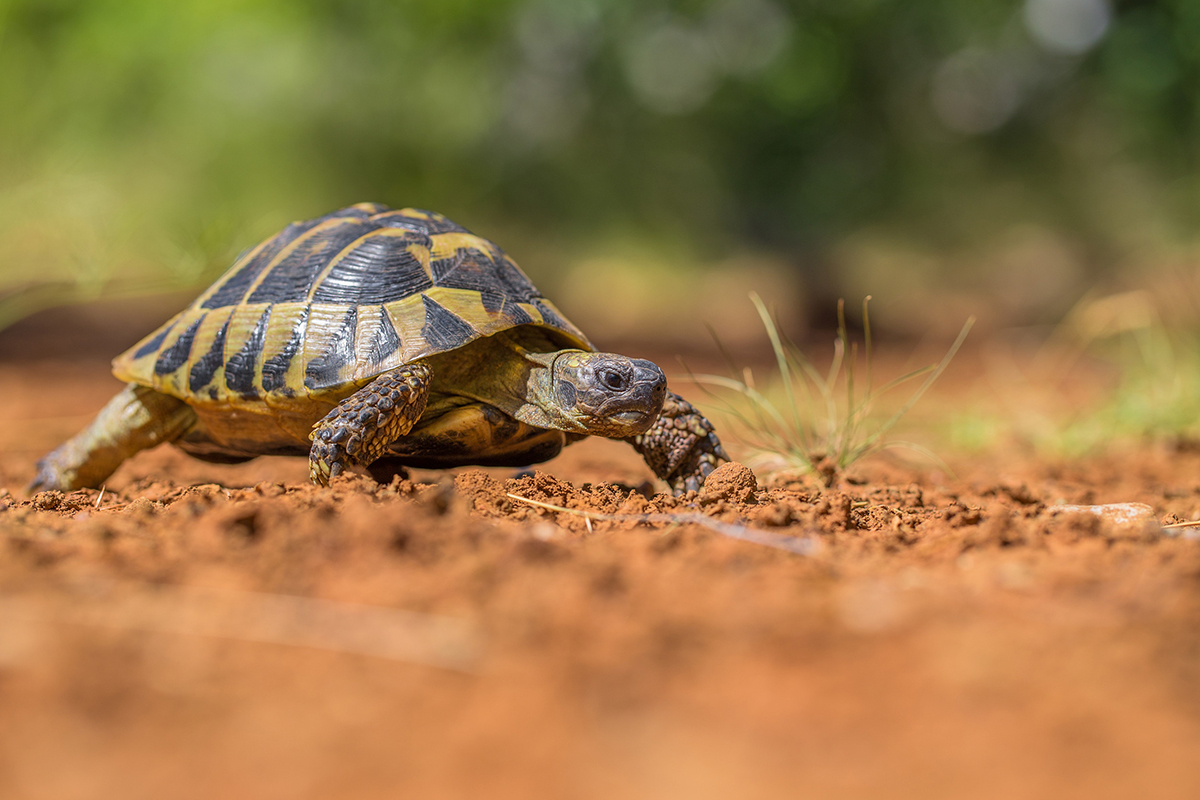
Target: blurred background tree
{"type": "Point", "coordinates": [1001, 155]}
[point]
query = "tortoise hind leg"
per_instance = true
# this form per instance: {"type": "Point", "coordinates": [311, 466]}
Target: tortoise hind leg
{"type": "Point", "coordinates": [681, 446]}
{"type": "Point", "coordinates": [363, 425]}
{"type": "Point", "coordinates": [137, 418]}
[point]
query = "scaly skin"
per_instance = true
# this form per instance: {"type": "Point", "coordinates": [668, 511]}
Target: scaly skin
{"type": "Point", "coordinates": [137, 418]}
{"type": "Point", "coordinates": [681, 446]}
{"type": "Point", "coordinates": [363, 425]}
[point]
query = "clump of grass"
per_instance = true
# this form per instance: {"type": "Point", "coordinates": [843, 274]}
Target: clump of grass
{"type": "Point", "coordinates": [824, 420]}
{"type": "Point", "coordinates": [1157, 373]}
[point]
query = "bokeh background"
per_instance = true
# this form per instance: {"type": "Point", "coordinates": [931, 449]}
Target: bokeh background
{"type": "Point", "coordinates": [215, 630]}
{"type": "Point", "coordinates": [646, 162]}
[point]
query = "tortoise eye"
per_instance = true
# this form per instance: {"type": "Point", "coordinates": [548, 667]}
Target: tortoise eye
{"type": "Point", "coordinates": [613, 380]}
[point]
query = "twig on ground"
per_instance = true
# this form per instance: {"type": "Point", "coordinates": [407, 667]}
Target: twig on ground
{"type": "Point", "coordinates": [800, 545]}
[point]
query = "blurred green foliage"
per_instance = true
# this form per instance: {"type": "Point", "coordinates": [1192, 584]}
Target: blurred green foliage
{"type": "Point", "coordinates": [1113, 373]}
{"type": "Point", "coordinates": [143, 143]}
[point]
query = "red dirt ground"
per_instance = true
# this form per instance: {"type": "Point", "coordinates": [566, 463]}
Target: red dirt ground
{"type": "Point", "coordinates": [940, 637]}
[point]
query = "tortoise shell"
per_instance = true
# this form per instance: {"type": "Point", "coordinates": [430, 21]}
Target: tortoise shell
{"type": "Point", "coordinates": [335, 301]}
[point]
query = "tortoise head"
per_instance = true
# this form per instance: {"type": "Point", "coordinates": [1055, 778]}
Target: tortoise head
{"type": "Point", "coordinates": [602, 394]}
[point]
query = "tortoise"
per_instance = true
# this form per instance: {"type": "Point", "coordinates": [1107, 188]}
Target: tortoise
{"type": "Point", "coordinates": [382, 339]}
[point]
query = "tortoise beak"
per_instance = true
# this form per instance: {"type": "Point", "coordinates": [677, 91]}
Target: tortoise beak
{"type": "Point", "coordinates": [649, 384]}
{"type": "Point", "coordinates": [640, 405]}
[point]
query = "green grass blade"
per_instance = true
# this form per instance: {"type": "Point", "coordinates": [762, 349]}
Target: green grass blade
{"type": "Point", "coordinates": [779, 434]}
{"type": "Point", "coordinates": [780, 354]}
{"type": "Point", "coordinates": [905, 378]}
{"type": "Point", "coordinates": [867, 341]}
{"type": "Point", "coordinates": [756, 397]}
{"type": "Point", "coordinates": [912, 401]}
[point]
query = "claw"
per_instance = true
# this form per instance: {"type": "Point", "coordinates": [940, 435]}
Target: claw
{"type": "Point", "coordinates": [319, 471]}
{"type": "Point", "coordinates": [360, 429]}
{"type": "Point", "coordinates": [681, 446]}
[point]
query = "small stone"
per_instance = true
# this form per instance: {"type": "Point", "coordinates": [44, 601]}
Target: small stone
{"type": "Point", "coordinates": [140, 507]}
{"type": "Point", "coordinates": [732, 481]}
{"type": "Point", "coordinates": [1131, 518]}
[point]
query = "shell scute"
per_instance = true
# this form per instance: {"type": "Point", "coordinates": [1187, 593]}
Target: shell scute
{"type": "Point", "coordinates": [443, 329]}
{"type": "Point", "coordinates": [430, 222]}
{"type": "Point", "coordinates": [204, 369]}
{"type": "Point", "coordinates": [379, 267]}
{"type": "Point", "coordinates": [338, 300]}
{"type": "Point", "coordinates": [290, 279]}
{"type": "Point", "coordinates": [283, 343]}
{"type": "Point", "coordinates": [329, 345]}
{"type": "Point", "coordinates": [243, 345]}
{"type": "Point", "coordinates": [172, 358]}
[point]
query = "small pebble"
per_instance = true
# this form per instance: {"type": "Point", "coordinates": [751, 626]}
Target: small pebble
{"type": "Point", "coordinates": [141, 506]}
{"type": "Point", "coordinates": [1137, 517]}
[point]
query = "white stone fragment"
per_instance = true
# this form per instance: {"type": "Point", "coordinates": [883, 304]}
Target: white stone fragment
{"type": "Point", "coordinates": [1137, 515]}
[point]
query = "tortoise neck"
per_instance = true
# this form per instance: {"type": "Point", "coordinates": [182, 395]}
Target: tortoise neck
{"type": "Point", "coordinates": [513, 371]}
{"type": "Point", "coordinates": [541, 407]}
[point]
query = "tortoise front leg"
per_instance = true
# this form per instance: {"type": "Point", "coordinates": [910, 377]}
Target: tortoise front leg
{"type": "Point", "coordinates": [363, 425]}
{"type": "Point", "coordinates": [135, 419]}
{"type": "Point", "coordinates": [680, 446]}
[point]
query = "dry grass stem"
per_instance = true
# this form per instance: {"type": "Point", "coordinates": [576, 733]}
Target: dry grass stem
{"type": "Point", "coordinates": [822, 415]}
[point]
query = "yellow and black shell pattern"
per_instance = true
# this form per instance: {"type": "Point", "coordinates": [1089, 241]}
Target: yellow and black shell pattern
{"type": "Point", "coordinates": [330, 303]}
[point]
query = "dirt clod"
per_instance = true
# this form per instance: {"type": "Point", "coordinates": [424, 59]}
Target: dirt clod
{"type": "Point", "coordinates": [47, 501]}
{"type": "Point", "coordinates": [773, 515]}
{"type": "Point", "coordinates": [731, 481]}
